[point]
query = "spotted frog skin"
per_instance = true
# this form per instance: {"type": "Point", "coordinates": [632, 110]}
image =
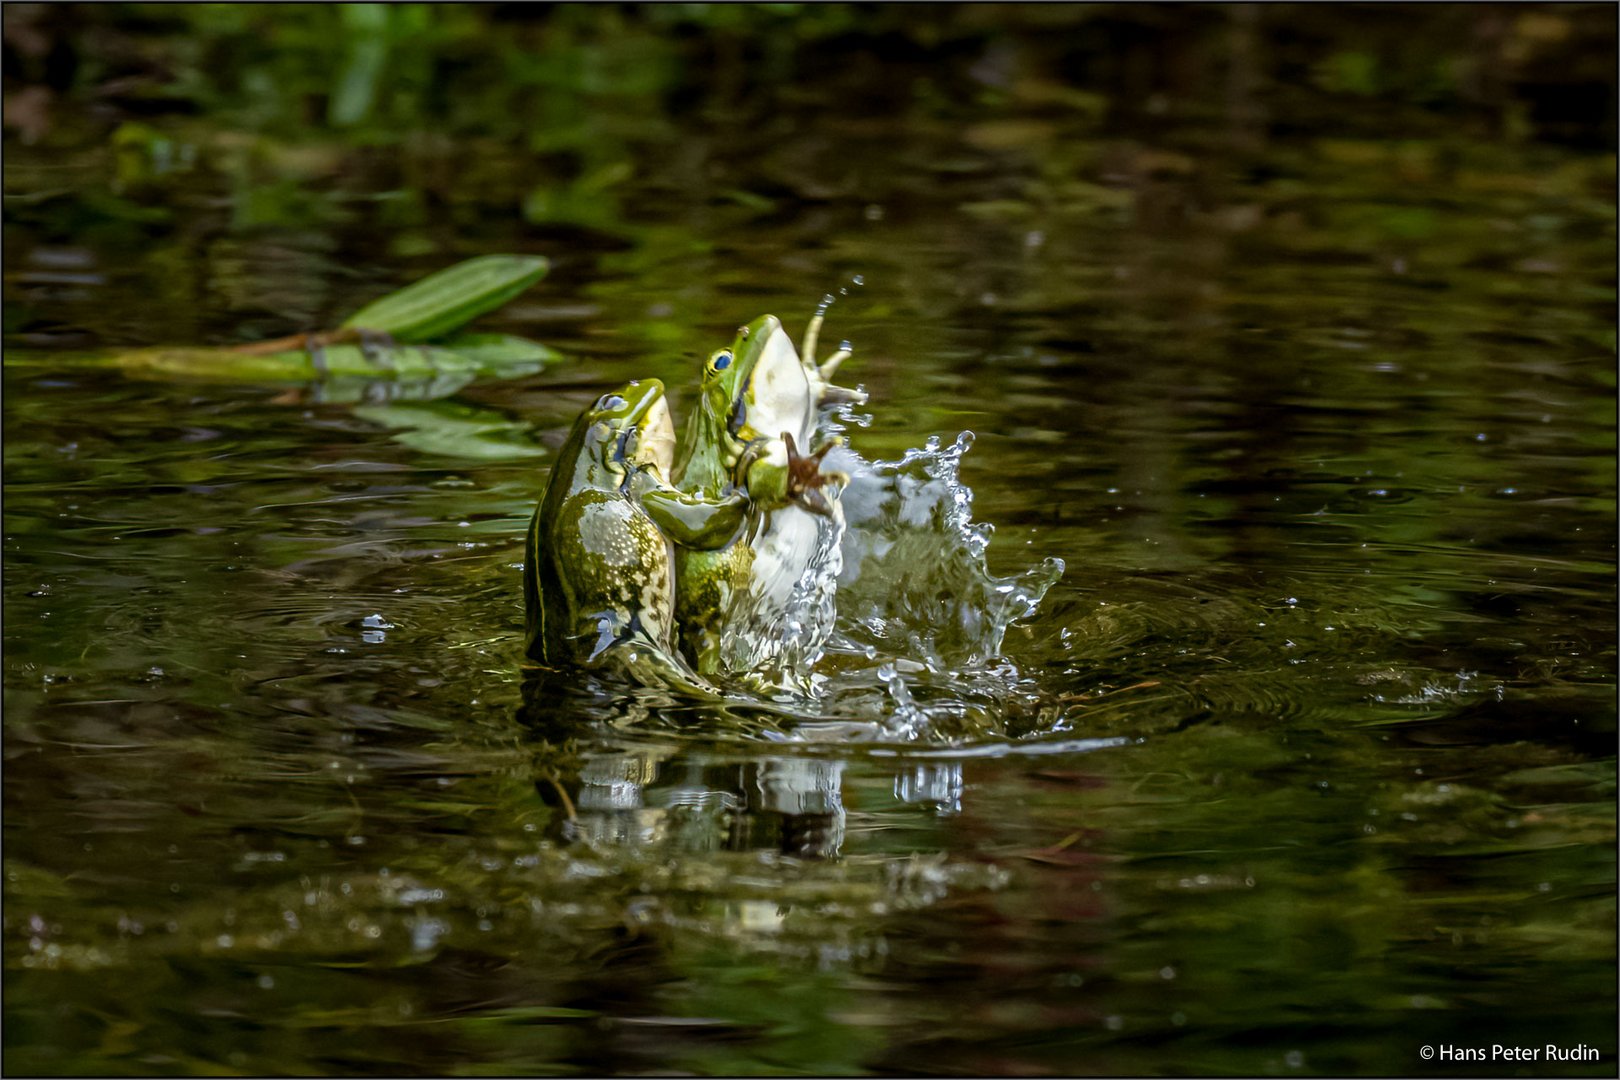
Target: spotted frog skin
{"type": "Point", "coordinates": [757, 405]}
{"type": "Point", "coordinates": [599, 572]}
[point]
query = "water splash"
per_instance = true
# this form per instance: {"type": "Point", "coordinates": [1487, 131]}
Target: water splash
{"type": "Point", "coordinates": [915, 581]}
{"type": "Point", "coordinates": [907, 718]}
{"type": "Point", "coordinates": [783, 623]}
{"type": "Point", "coordinates": [902, 547]}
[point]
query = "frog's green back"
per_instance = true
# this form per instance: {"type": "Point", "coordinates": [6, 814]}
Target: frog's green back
{"type": "Point", "coordinates": [569, 470]}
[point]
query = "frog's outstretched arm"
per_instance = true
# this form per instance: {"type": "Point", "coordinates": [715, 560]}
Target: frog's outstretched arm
{"type": "Point", "coordinates": [766, 472]}
{"type": "Point", "coordinates": [690, 520]}
{"type": "Point", "coordinates": [776, 473]}
{"type": "Point", "coordinates": [806, 477]}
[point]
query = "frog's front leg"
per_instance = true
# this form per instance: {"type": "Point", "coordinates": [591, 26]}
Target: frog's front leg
{"type": "Point", "coordinates": [690, 520]}
{"type": "Point", "coordinates": [766, 472]}
{"type": "Point", "coordinates": [807, 477]}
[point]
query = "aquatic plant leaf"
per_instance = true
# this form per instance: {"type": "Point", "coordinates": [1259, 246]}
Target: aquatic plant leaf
{"type": "Point", "coordinates": [206, 362]}
{"type": "Point", "coordinates": [472, 355]}
{"type": "Point", "coordinates": [496, 353]}
{"type": "Point", "coordinates": [443, 301]}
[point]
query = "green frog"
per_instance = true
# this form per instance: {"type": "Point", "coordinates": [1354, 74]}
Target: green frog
{"type": "Point", "coordinates": [758, 404]}
{"type": "Point", "coordinates": [599, 574]}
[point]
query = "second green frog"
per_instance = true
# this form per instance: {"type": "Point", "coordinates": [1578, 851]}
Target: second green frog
{"type": "Point", "coordinates": [762, 605]}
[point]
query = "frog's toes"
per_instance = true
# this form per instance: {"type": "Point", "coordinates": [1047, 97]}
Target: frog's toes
{"type": "Point", "coordinates": [815, 501]}
{"type": "Point", "coordinates": [842, 395]}
{"type": "Point", "coordinates": [830, 365]}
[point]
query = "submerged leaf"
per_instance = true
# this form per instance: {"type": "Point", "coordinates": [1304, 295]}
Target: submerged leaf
{"type": "Point", "coordinates": [454, 430]}
{"type": "Point", "coordinates": [443, 301]}
{"type": "Point", "coordinates": [494, 355]}
{"type": "Point", "coordinates": [202, 362]}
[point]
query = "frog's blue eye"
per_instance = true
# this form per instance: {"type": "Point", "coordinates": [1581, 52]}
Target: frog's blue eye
{"type": "Point", "coordinates": [722, 361]}
{"type": "Point", "coordinates": [610, 403]}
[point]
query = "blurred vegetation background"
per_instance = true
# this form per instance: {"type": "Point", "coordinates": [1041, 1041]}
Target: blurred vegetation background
{"type": "Point", "coordinates": [245, 165]}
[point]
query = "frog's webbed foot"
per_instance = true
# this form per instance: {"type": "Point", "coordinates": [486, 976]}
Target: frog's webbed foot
{"type": "Point", "coordinates": [830, 365]}
{"type": "Point", "coordinates": [627, 648]}
{"type": "Point", "coordinates": [806, 477]}
{"type": "Point", "coordinates": [841, 395]}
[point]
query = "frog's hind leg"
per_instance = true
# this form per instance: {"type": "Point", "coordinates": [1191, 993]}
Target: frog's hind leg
{"type": "Point", "coordinates": [626, 647]}
{"type": "Point", "coordinates": [828, 393]}
{"type": "Point", "coordinates": [812, 335]}
{"type": "Point", "coordinates": [648, 665]}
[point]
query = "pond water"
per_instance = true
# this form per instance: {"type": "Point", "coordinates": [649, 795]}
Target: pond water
{"type": "Point", "coordinates": [1305, 762]}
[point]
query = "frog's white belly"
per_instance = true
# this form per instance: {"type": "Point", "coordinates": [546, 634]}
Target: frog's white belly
{"type": "Point", "coordinates": [782, 552]}
{"type": "Point", "coordinates": [779, 627]}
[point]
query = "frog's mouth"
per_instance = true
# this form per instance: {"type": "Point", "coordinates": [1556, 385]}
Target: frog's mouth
{"type": "Point", "coordinates": [646, 430]}
{"type": "Point", "coordinates": [657, 435]}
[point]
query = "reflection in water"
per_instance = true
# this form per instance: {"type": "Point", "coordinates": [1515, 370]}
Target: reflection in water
{"type": "Point", "coordinates": [657, 797]}
{"type": "Point", "coordinates": [683, 798]}
{"type": "Point", "coordinates": [937, 784]}
{"type": "Point", "coordinates": [609, 803]}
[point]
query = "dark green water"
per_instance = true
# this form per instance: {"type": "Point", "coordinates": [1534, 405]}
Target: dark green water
{"type": "Point", "coordinates": [1306, 763]}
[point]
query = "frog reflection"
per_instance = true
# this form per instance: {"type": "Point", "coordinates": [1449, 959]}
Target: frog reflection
{"type": "Point", "coordinates": [935, 783]}
{"type": "Point", "coordinates": [791, 805]}
{"type": "Point", "coordinates": [618, 789]}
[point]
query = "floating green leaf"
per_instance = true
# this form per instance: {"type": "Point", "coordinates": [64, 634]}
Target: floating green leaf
{"type": "Point", "coordinates": [443, 301]}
